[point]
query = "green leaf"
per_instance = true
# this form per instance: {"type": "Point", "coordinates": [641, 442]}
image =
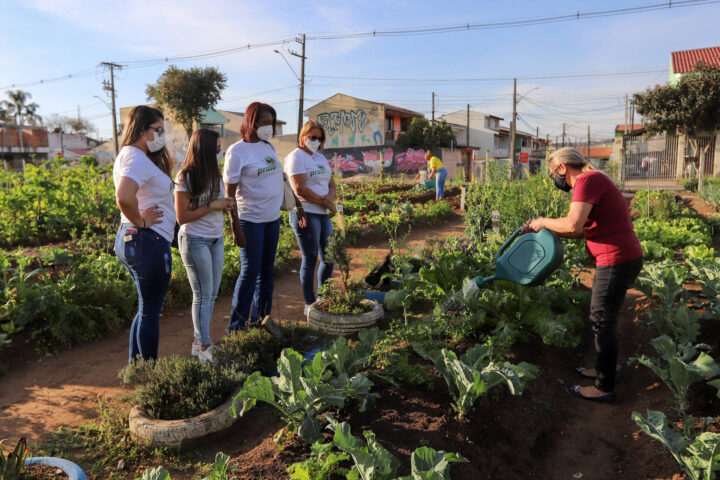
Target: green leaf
{"type": "Point", "coordinates": [656, 427]}
{"type": "Point", "coordinates": [256, 387]}
{"type": "Point", "coordinates": [158, 473]}
{"type": "Point", "coordinates": [705, 455]}
{"type": "Point", "coordinates": [428, 464]}
{"type": "Point", "coordinates": [394, 299]}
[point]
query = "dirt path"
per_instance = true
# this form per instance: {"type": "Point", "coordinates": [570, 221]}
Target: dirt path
{"type": "Point", "coordinates": [600, 441]}
{"type": "Point", "coordinates": [38, 397]}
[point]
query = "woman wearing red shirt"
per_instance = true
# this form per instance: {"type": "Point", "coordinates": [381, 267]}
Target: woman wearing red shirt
{"type": "Point", "coordinates": [599, 214]}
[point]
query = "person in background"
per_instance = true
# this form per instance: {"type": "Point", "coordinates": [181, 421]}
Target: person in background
{"type": "Point", "coordinates": [313, 183]}
{"type": "Point", "coordinates": [599, 214]}
{"type": "Point", "coordinates": [436, 167]}
{"type": "Point", "coordinates": [199, 204]}
{"type": "Point", "coordinates": [254, 177]}
{"type": "Point", "coordinates": [144, 194]}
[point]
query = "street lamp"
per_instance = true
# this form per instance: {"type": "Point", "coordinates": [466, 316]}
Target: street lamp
{"type": "Point", "coordinates": [301, 77]}
{"type": "Point", "coordinates": [288, 63]}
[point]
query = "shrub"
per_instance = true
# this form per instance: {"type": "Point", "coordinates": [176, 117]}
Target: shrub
{"type": "Point", "coordinates": [171, 388]}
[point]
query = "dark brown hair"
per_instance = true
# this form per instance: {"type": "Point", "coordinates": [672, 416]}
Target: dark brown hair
{"type": "Point", "coordinates": [311, 125]}
{"type": "Point", "coordinates": [200, 172]}
{"type": "Point", "coordinates": [252, 114]}
{"type": "Point", "coordinates": [139, 120]}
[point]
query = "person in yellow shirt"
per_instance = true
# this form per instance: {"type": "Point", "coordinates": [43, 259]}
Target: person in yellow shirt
{"type": "Point", "coordinates": [436, 168]}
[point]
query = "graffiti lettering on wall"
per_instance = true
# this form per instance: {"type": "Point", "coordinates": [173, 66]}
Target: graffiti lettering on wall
{"type": "Point", "coordinates": [356, 161]}
{"type": "Point", "coordinates": [350, 128]}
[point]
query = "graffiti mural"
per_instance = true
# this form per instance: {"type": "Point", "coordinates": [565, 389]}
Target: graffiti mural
{"type": "Point", "coordinates": [350, 128]}
{"type": "Point", "coordinates": [353, 161]}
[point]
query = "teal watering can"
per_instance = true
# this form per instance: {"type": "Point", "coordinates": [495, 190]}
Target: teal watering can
{"type": "Point", "coordinates": [527, 261]}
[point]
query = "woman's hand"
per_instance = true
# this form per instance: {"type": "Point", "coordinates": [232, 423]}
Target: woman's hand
{"type": "Point", "coordinates": [302, 218]}
{"type": "Point", "coordinates": [533, 225]}
{"type": "Point", "coordinates": [222, 203]}
{"type": "Point", "coordinates": [151, 216]}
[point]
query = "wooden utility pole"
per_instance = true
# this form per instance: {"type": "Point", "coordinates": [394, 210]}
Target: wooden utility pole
{"type": "Point", "coordinates": [301, 101]}
{"type": "Point", "coordinates": [625, 130]}
{"type": "Point", "coordinates": [563, 143]}
{"type": "Point", "coordinates": [588, 152]}
{"type": "Point", "coordinates": [513, 162]}
{"type": "Point", "coordinates": [467, 131]}
{"type": "Point", "coordinates": [111, 88]}
{"type": "Point", "coordinates": [432, 127]}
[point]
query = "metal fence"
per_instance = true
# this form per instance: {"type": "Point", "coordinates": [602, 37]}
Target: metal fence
{"type": "Point", "coordinates": [708, 141]}
{"type": "Point", "coordinates": [654, 157]}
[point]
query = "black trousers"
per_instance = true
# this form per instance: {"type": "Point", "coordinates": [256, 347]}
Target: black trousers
{"type": "Point", "coordinates": [608, 294]}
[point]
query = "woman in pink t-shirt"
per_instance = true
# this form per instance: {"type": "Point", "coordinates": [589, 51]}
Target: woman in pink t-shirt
{"type": "Point", "coordinates": [599, 214]}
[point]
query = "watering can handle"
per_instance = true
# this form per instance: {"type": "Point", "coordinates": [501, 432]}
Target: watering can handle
{"type": "Point", "coordinates": [507, 243]}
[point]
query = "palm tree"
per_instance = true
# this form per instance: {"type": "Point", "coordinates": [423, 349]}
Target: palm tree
{"type": "Point", "coordinates": [19, 99]}
{"type": "Point", "coordinates": [6, 114]}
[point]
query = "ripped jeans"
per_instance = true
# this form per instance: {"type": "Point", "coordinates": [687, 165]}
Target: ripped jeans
{"type": "Point", "coordinates": [147, 257]}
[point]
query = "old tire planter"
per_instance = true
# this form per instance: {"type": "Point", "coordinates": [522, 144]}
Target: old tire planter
{"type": "Point", "coordinates": [174, 433]}
{"type": "Point", "coordinates": [344, 324]}
{"type": "Point", "coordinates": [72, 471]}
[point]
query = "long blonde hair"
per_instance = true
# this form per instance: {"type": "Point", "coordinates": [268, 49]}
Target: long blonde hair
{"type": "Point", "coordinates": [571, 158]}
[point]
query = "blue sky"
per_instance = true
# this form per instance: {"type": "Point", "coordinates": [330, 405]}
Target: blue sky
{"type": "Point", "coordinates": [43, 39]}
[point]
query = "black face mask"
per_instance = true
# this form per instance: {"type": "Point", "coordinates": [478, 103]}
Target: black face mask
{"type": "Point", "coordinates": [561, 184]}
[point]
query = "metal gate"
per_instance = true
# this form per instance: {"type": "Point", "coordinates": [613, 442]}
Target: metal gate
{"type": "Point", "coordinates": [654, 157]}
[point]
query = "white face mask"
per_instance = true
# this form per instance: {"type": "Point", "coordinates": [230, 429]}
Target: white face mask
{"type": "Point", "coordinates": [220, 156]}
{"type": "Point", "coordinates": [265, 132]}
{"type": "Point", "coordinates": [157, 143]}
{"type": "Point", "coordinates": [312, 145]}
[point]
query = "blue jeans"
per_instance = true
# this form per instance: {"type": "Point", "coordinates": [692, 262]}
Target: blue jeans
{"type": "Point", "coordinates": [256, 265]}
{"type": "Point", "coordinates": [203, 259]}
{"type": "Point", "coordinates": [441, 175]}
{"type": "Point", "coordinates": [312, 240]}
{"type": "Point", "coordinates": [147, 257]}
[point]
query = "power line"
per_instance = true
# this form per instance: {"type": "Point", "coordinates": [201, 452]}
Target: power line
{"type": "Point", "coordinates": [578, 15]}
{"type": "Point", "coordinates": [514, 23]}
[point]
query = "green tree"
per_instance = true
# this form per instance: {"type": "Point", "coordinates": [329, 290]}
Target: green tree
{"type": "Point", "coordinates": [185, 93]}
{"type": "Point", "coordinates": [420, 135]}
{"type": "Point", "coordinates": [690, 107]}
{"type": "Point", "coordinates": [19, 108]}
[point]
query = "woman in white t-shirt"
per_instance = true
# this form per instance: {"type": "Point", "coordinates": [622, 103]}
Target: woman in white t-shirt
{"type": "Point", "coordinates": [253, 176]}
{"type": "Point", "coordinates": [199, 204]}
{"type": "Point", "coordinates": [313, 183]}
{"type": "Point", "coordinates": [144, 193]}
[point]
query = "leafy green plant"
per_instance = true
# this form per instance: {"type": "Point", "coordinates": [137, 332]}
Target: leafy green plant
{"type": "Point", "coordinates": [674, 233]}
{"type": "Point", "coordinates": [300, 393]}
{"type": "Point", "coordinates": [218, 472]}
{"type": "Point", "coordinates": [702, 252]}
{"type": "Point", "coordinates": [323, 464]}
{"type": "Point", "coordinates": [474, 374]}
{"type": "Point", "coordinates": [679, 366]}
{"type": "Point", "coordinates": [663, 283]}
{"type": "Point", "coordinates": [11, 467]}
{"type": "Point", "coordinates": [657, 204]}
{"type": "Point", "coordinates": [698, 456]}
{"type": "Point", "coordinates": [373, 462]}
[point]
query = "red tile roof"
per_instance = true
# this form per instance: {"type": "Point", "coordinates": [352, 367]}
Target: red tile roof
{"type": "Point", "coordinates": [684, 61]}
{"type": "Point", "coordinates": [597, 152]}
{"type": "Point", "coordinates": [632, 128]}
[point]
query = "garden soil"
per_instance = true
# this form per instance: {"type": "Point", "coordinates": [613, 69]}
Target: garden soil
{"type": "Point", "coordinates": [544, 434]}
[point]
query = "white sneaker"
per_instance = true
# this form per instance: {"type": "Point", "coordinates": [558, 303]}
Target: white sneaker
{"type": "Point", "coordinates": [195, 351]}
{"type": "Point", "coordinates": [207, 354]}
{"type": "Point", "coordinates": [307, 309]}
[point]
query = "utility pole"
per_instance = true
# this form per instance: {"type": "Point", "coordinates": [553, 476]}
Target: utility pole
{"type": "Point", "coordinates": [467, 130]}
{"type": "Point", "coordinates": [512, 129]}
{"type": "Point", "coordinates": [301, 41]}
{"type": "Point", "coordinates": [537, 136]}
{"type": "Point", "coordinates": [110, 87]}
{"type": "Point", "coordinates": [588, 155]}
{"type": "Point", "coordinates": [433, 116]}
{"type": "Point", "coordinates": [563, 143]}
{"type": "Point", "coordinates": [625, 126]}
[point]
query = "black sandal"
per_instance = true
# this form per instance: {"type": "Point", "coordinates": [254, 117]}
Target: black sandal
{"type": "Point", "coordinates": [574, 390]}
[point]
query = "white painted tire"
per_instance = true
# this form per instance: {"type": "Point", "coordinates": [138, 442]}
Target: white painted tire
{"type": "Point", "coordinates": [173, 433]}
{"type": "Point", "coordinates": [344, 324]}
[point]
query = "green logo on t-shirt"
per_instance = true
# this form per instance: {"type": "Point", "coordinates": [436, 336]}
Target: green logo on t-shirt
{"type": "Point", "coordinates": [272, 165]}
